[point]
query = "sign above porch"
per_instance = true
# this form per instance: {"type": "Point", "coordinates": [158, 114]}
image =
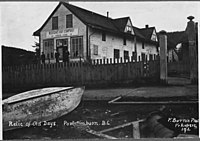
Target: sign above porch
{"type": "Point", "coordinates": [61, 33]}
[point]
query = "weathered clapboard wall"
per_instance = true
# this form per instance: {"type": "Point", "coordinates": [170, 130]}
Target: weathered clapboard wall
{"type": "Point", "coordinates": [99, 72]}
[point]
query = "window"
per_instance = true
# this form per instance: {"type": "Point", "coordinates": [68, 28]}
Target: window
{"type": "Point", "coordinates": [62, 42]}
{"type": "Point", "coordinates": [95, 47]}
{"type": "Point", "coordinates": [116, 53]}
{"type": "Point", "coordinates": [54, 23]}
{"type": "Point", "coordinates": [76, 47]}
{"type": "Point", "coordinates": [103, 36]}
{"type": "Point", "coordinates": [134, 55]}
{"type": "Point", "coordinates": [48, 56]}
{"type": "Point", "coordinates": [142, 45]}
{"type": "Point", "coordinates": [124, 41]}
{"type": "Point", "coordinates": [126, 55]}
{"type": "Point", "coordinates": [48, 46]}
{"type": "Point", "coordinates": [128, 29]}
{"type": "Point", "coordinates": [69, 21]}
{"type": "Point", "coordinates": [154, 38]}
{"type": "Point", "coordinates": [52, 55]}
{"type": "Point", "coordinates": [65, 42]}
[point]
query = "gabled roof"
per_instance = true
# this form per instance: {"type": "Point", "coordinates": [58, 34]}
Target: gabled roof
{"type": "Point", "coordinates": [138, 32]}
{"type": "Point", "coordinates": [91, 18]}
{"type": "Point", "coordinates": [121, 23]}
{"type": "Point", "coordinates": [37, 33]}
{"type": "Point", "coordinates": [147, 32]}
{"type": "Point", "coordinates": [87, 17]}
{"type": "Point", "coordinates": [98, 21]}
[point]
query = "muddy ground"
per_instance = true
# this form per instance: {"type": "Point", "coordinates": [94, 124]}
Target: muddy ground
{"type": "Point", "coordinates": [98, 115]}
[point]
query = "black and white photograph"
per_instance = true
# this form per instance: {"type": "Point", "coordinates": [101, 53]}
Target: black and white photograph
{"type": "Point", "coordinates": [100, 70]}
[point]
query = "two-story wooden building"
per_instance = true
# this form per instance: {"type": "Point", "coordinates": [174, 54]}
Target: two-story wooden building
{"type": "Point", "coordinates": [90, 35]}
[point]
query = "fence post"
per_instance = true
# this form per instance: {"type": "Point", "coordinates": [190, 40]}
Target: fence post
{"type": "Point", "coordinates": [136, 130]}
{"type": "Point", "coordinates": [111, 60]}
{"type": "Point", "coordinates": [100, 61]}
{"type": "Point", "coordinates": [163, 56]}
{"type": "Point", "coordinates": [107, 60]}
{"type": "Point", "coordinates": [192, 35]}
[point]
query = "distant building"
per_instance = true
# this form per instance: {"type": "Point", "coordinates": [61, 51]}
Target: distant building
{"type": "Point", "coordinates": [91, 36]}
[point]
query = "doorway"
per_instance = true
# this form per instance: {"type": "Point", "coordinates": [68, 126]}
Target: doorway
{"type": "Point", "coordinates": [62, 47]}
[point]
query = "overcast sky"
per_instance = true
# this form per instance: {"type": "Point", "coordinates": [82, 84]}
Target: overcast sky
{"type": "Point", "coordinates": [20, 19]}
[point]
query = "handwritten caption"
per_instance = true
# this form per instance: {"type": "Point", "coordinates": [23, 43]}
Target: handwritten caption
{"type": "Point", "coordinates": [53, 123]}
{"type": "Point", "coordinates": [185, 125]}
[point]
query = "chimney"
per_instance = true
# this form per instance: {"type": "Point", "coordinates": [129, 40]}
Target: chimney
{"type": "Point", "coordinates": [107, 14]}
{"type": "Point", "coordinates": [146, 26]}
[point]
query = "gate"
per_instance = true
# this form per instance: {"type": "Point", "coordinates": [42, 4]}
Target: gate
{"type": "Point", "coordinates": [179, 69]}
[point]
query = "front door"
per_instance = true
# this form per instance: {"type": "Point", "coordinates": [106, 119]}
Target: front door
{"type": "Point", "coordinates": [61, 46]}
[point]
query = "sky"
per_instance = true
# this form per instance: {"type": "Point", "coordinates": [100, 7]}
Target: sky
{"type": "Point", "coordinates": [20, 19]}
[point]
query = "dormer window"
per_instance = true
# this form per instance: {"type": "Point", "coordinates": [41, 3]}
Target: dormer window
{"type": "Point", "coordinates": [128, 29]}
{"type": "Point", "coordinates": [154, 38]}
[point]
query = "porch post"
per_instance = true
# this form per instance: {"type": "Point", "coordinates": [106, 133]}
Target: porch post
{"type": "Point", "coordinates": [192, 35]}
{"type": "Point", "coordinates": [163, 56]}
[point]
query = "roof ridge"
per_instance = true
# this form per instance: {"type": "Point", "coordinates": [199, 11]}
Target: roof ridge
{"type": "Point", "coordinates": [86, 10]}
{"type": "Point", "coordinates": [121, 18]}
{"type": "Point", "coordinates": [135, 27]}
{"type": "Point", "coordinates": [115, 21]}
{"type": "Point", "coordinates": [147, 28]}
{"type": "Point", "coordinates": [93, 13]}
{"type": "Point", "coordinates": [175, 32]}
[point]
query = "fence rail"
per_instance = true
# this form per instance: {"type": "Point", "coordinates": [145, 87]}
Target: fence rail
{"type": "Point", "coordinates": [98, 72]}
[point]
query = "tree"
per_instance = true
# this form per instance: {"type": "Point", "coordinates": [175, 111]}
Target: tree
{"type": "Point", "coordinates": [37, 51]}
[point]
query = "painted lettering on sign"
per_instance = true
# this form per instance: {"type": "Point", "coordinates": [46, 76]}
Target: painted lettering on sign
{"type": "Point", "coordinates": [60, 33]}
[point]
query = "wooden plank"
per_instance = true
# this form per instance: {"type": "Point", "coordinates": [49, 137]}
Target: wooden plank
{"type": "Point", "coordinates": [158, 102]}
{"type": "Point", "coordinates": [115, 99]}
{"type": "Point", "coordinates": [136, 130]}
{"type": "Point", "coordinates": [120, 126]}
{"type": "Point", "coordinates": [99, 134]}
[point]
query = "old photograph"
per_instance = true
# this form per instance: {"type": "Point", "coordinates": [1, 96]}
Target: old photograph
{"type": "Point", "coordinates": [100, 70]}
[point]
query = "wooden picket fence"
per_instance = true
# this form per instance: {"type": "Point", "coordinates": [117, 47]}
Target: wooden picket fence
{"type": "Point", "coordinates": [97, 72]}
